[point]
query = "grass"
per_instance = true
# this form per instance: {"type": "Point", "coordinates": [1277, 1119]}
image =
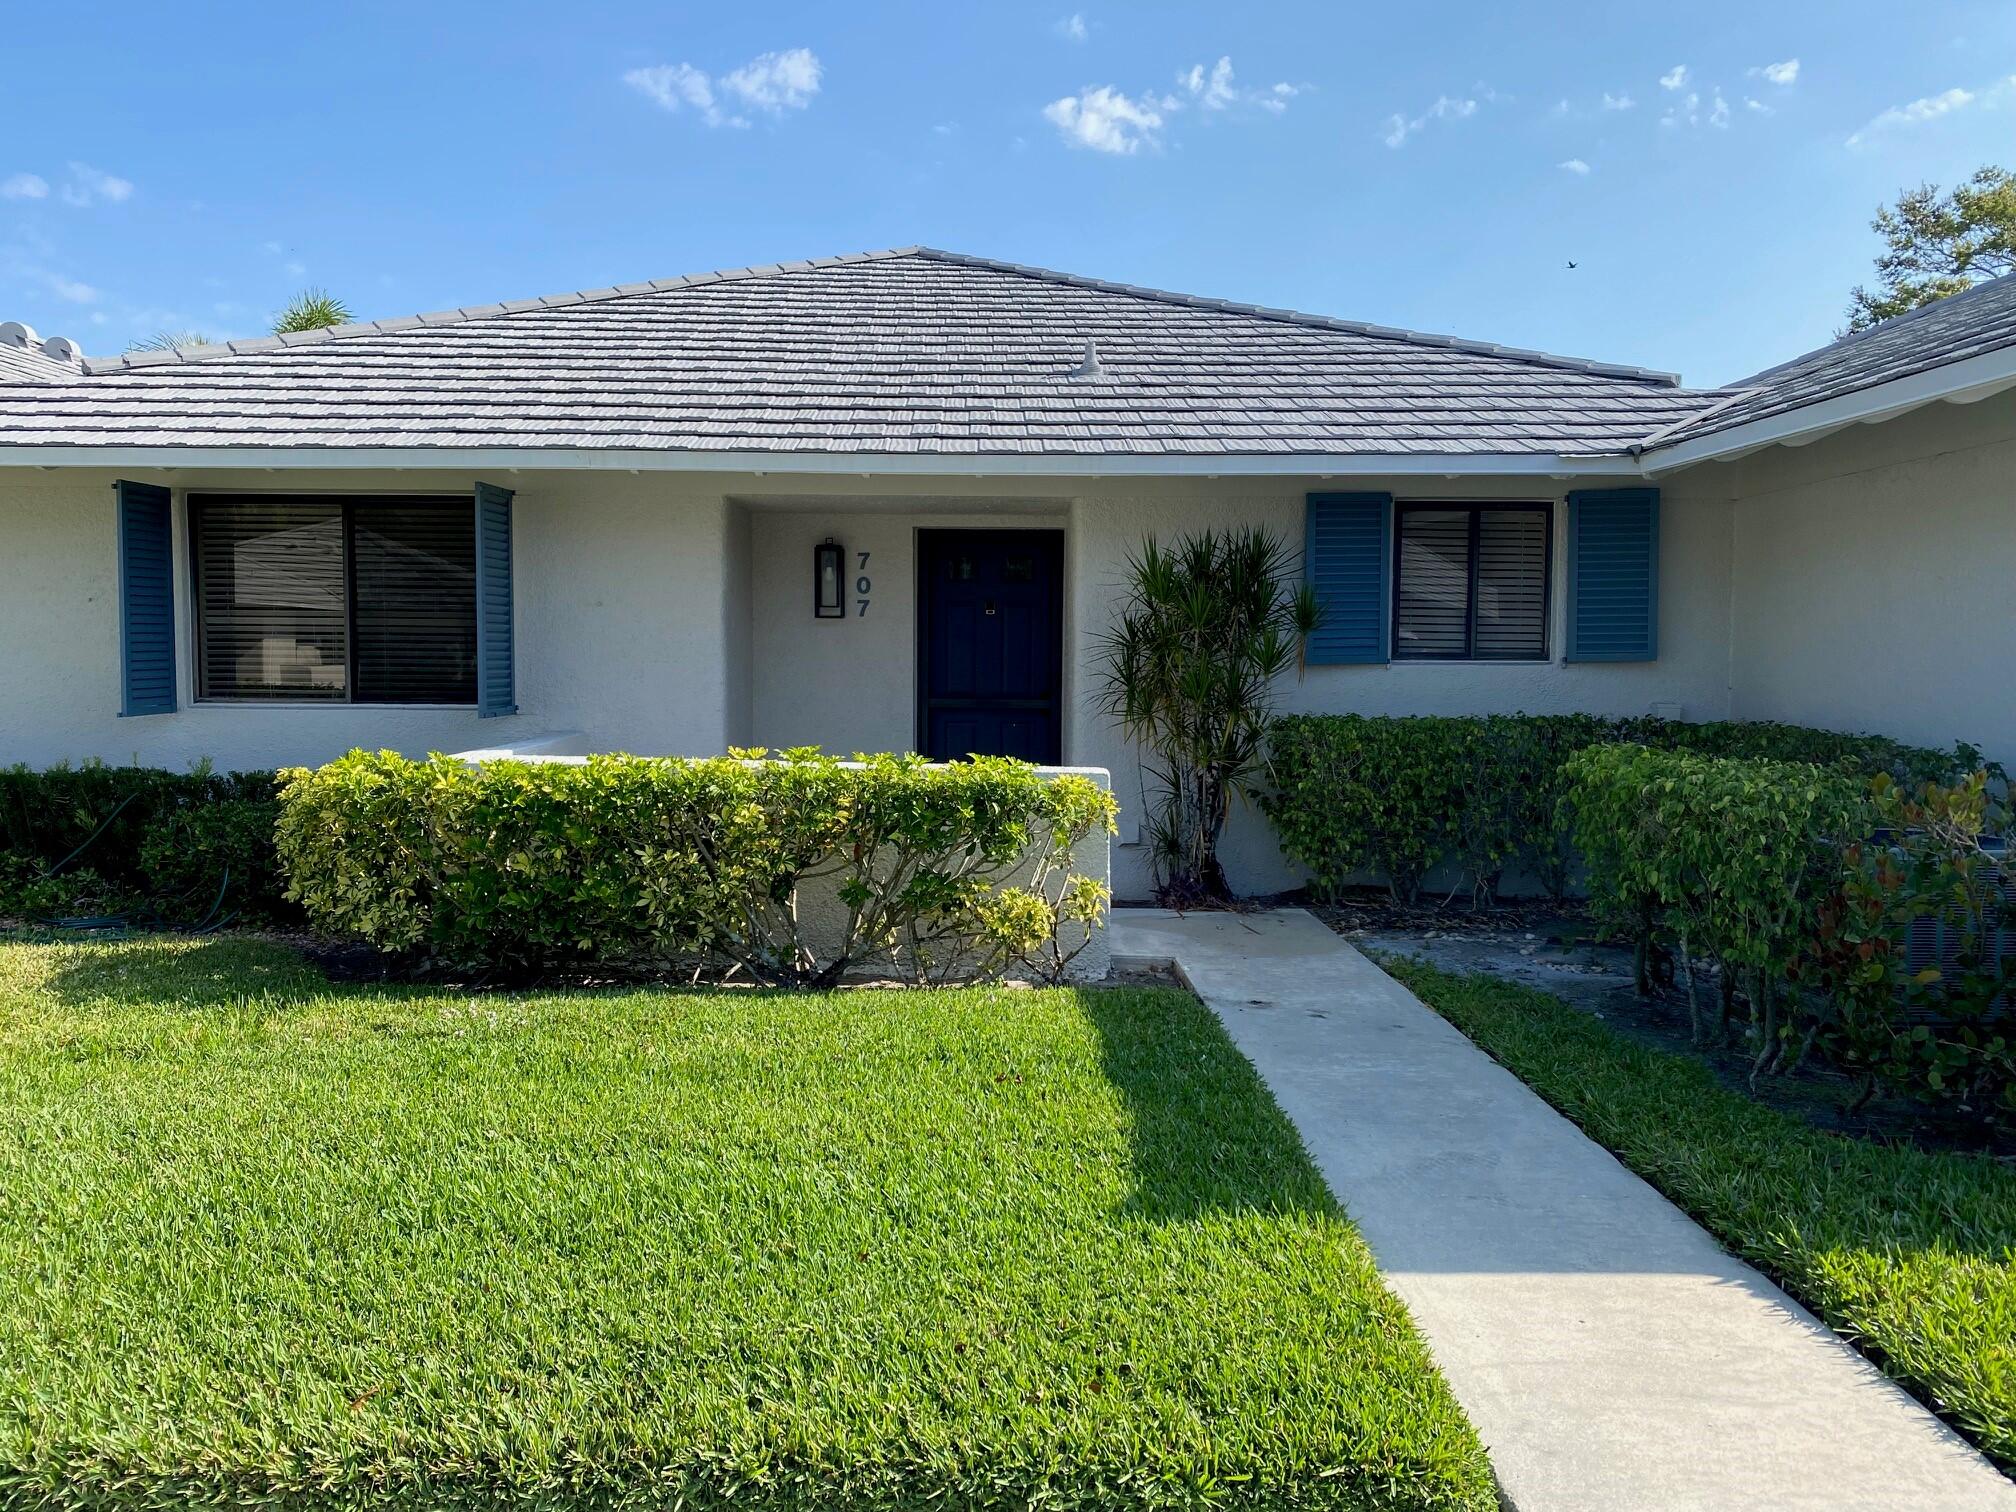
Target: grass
{"type": "Point", "coordinates": [1908, 1253]}
{"type": "Point", "coordinates": [266, 1239]}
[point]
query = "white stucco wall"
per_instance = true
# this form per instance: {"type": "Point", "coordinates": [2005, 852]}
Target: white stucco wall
{"type": "Point", "coordinates": [1875, 578]}
{"type": "Point", "coordinates": [1691, 673]}
{"type": "Point", "coordinates": [620, 607]}
{"type": "Point", "coordinates": [851, 684]}
{"type": "Point", "coordinates": [671, 614]}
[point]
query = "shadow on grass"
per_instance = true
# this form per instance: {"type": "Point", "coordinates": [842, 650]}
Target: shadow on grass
{"type": "Point", "coordinates": [182, 970]}
{"type": "Point", "coordinates": [1206, 1133]}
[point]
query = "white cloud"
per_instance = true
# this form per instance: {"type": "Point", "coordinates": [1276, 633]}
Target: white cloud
{"type": "Point", "coordinates": [1277, 98]}
{"type": "Point", "coordinates": [1718, 116]}
{"type": "Point", "coordinates": [774, 82]}
{"type": "Point", "coordinates": [1073, 28]}
{"type": "Point", "coordinates": [71, 289]}
{"type": "Point", "coordinates": [1930, 108]}
{"type": "Point", "coordinates": [1676, 79]}
{"type": "Point", "coordinates": [777, 81]}
{"type": "Point", "coordinates": [24, 186]}
{"type": "Point", "coordinates": [1575, 166]}
{"type": "Point", "coordinates": [270, 248]}
{"type": "Point", "coordinates": [1757, 107]}
{"type": "Point", "coordinates": [672, 85]}
{"type": "Point", "coordinates": [296, 270]}
{"type": "Point", "coordinates": [1617, 101]}
{"type": "Point", "coordinates": [90, 186]}
{"type": "Point", "coordinates": [1106, 120]}
{"type": "Point", "coordinates": [1778, 73]}
{"type": "Point", "coordinates": [1399, 128]}
{"type": "Point", "coordinates": [1214, 90]}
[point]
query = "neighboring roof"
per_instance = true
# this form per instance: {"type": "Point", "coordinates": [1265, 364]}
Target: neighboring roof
{"type": "Point", "coordinates": [24, 356]}
{"type": "Point", "coordinates": [912, 353]}
{"type": "Point", "coordinates": [1947, 332]}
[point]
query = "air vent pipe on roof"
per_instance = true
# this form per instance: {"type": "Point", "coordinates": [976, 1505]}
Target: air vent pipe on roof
{"type": "Point", "coordinates": [1088, 366]}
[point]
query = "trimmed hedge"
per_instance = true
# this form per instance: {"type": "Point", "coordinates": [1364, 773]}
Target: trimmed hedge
{"type": "Point", "coordinates": [636, 862]}
{"type": "Point", "coordinates": [106, 839]}
{"type": "Point", "coordinates": [1354, 794]}
{"type": "Point", "coordinates": [1805, 888]}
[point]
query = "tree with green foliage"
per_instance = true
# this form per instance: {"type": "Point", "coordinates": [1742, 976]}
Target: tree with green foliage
{"type": "Point", "coordinates": [1939, 244]}
{"type": "Point", "coordinates": [1204, 629]}
{"type": "Point", "coordinates": [311, 310]}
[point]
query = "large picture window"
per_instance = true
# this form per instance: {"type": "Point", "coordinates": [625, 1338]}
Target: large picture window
{"type": "Point", "coordinates": [1470, 582]}
{"type": "Point", "coordinates": [355, 600]}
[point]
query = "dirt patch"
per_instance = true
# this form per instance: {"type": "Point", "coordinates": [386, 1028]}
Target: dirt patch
{"type": "Point", "coordinates": [1558, 955]}
{"type": "Point", "coordinates": [1373, 909]}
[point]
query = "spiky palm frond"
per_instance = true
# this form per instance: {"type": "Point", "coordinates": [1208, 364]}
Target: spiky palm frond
{"type": "Point", "coordinates": [168, 341]}
{"type": "Point", "coordinates": [1204, 630]}
{"type": "Point", "coordinates": [311, 310]}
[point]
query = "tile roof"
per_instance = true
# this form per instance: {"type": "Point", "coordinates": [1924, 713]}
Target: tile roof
{"type": "Point", "coordinates": [914, 352]}
{"type": "Point", "coordinates": [1981, 320]}
{"type": "Point", "coordinates": [24, 358]}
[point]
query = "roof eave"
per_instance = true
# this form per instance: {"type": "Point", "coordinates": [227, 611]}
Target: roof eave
{"type": "Point", "coordinates": [860, 464]}
{"type": "Point", "coordinates": [1964, 382]}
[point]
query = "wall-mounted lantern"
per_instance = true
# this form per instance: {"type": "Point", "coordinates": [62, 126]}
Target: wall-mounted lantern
{"type": "Point", "coordinates": [828, 601]}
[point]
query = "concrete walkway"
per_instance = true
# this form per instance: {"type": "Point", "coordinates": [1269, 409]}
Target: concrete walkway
{"type": "Point", "coordinates": [1611, 1354]}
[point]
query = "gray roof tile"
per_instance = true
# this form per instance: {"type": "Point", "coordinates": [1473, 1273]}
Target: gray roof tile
{"type": "Point", "coordinates": [1981, 320]}
{"type": "Point", "coordinates": [905, 352]}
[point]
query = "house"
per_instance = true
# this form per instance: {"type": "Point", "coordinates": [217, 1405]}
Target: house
{"type": "Point", "coordinates": [884, 501]}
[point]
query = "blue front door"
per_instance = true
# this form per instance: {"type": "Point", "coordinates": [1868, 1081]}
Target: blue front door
{"type": "Point", "coordinates": [990, 643]}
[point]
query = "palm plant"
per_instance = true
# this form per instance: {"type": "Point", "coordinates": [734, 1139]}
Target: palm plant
{"type": "Point", "coordinates": [1204, 631]}
{"type": "Point", "coordinates": [168, 341]}
{"type": "Point", "coordinates": [311, 310]}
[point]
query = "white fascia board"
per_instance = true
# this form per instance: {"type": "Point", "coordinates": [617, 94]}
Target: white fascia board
{"type": "Point", "coordinates": [1956, 382]}
{"type": "Point", "coordinates": [859, 464]}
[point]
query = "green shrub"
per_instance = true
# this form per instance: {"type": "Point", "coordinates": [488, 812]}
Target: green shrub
{"type": "Point", "coordinates": [1355, 795]}
{"type": "Point", "coordinates": [214, 860]}
{"type": "Point", "coordinates": [151, 841]}
{"type": "Point", "coordinates": [937, 871]}
{"type": "Point", "coordinates": [1944, 1031]}
{"type": "Point", "coordinates": [28, 892]}
{"type": "Point", "coordinates": [1729, 858]}
{"type": "Point", "coordinates": [1352, 794]}
{"type": "Point", "coordinates": [1768, 740]}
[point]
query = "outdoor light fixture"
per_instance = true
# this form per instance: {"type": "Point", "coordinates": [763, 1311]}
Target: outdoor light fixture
{"type": "Point", "coordinates": [827, 602]}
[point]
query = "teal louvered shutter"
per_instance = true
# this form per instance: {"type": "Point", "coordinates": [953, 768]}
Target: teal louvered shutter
{"type": "Point", "coordinates": [1613, 575]}
{"type": "Point", "coordinates": [146, 599]}
{"type": "Point", "coordinates": [1347, 557]}
{"type": "Point", "coordinates": [496, 672]}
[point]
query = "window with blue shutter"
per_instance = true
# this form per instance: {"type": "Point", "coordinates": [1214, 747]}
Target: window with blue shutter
{"type": "Point", "coordinates": [1345, 555]}
{"type": "Point", "coordinates": [146, 599]}
{"type": "Point", "coordinates": [1613, 575]}
{"type": "Point", "coordinates": [496, 684]}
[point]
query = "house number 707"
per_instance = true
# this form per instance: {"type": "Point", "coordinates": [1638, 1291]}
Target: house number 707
{"type": "Point", "coordinates": [862, 585]}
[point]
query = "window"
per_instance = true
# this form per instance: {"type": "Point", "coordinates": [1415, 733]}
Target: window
{"type": "Point", "coordinates": [1470, 582]}
{"type": "Point", "coordinates": [369, 600]}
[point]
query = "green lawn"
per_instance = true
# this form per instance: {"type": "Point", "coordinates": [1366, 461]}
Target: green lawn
{"type": "Point", "coordinates": [1910, 1254]}
{"type": "Point", "coordinates": [263, 1237]}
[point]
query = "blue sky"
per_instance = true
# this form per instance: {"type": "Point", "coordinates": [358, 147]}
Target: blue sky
{"type": "Point", "coordinates": [1711, 168]}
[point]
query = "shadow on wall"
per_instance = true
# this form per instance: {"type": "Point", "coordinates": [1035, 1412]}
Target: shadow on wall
{"type": "Point", "coordinates": [1206, 1134]}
